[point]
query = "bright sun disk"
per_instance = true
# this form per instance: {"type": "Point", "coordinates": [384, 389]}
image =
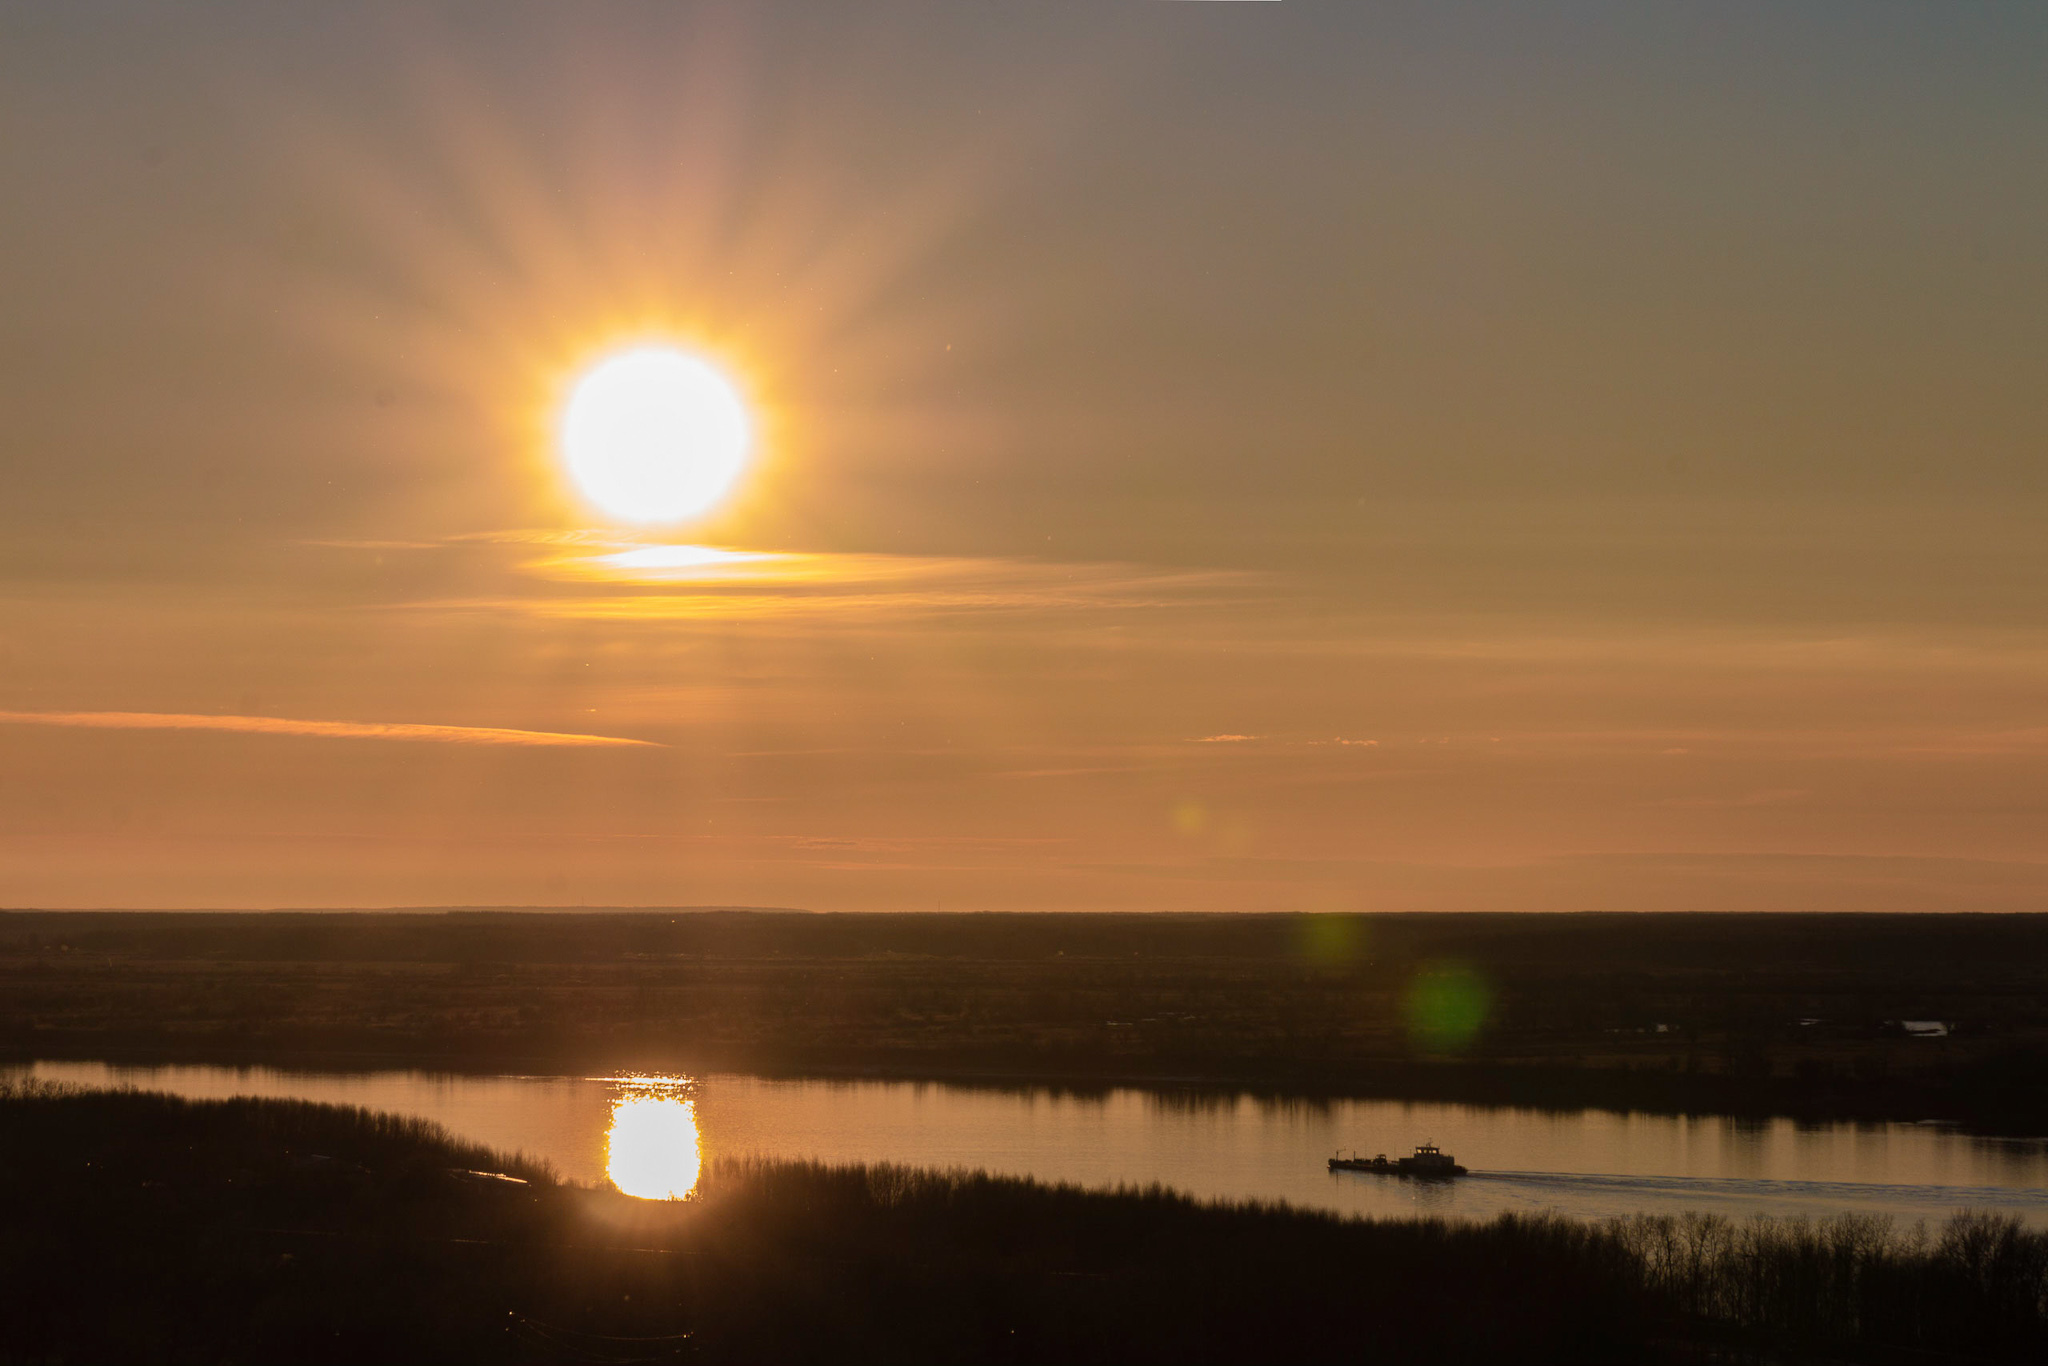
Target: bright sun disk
{"type": "Point", "coordinates": [654, 435]}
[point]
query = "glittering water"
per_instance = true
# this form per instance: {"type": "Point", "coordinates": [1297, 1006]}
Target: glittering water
{"type": "Point", "coordinates": [649, 1134]}
{"type": "Point", "coordinates": [653, 1148]}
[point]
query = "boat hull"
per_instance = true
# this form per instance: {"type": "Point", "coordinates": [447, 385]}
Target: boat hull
{"type": "Point", "coordinates": [1398, 1167]}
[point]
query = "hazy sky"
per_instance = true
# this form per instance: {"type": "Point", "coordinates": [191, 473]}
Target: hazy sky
{"type": "Point", "coordinates": [1212, 456]}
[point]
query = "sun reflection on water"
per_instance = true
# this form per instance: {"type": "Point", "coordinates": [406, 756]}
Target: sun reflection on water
{"type": "Point", "coordinates": [652, 1149]}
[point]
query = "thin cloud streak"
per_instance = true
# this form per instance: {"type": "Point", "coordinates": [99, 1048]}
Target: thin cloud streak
{"type": "Point", "coordinates": [689, 577]}
{"type": "Point", "coordinates": [333, 730]}
{"type": "Point", "coordinates": [602, 576]}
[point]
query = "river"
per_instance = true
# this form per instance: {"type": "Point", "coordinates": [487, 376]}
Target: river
{"type": "Point", "coordinates": [648, 1136]}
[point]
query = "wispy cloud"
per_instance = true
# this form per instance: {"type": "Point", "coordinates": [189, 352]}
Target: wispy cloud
{"type": "Point", "coordinates": [596, 575]}
{"type": "Point", "coordinates": [336, 730]}
{"type": "Point", "coordinates": [1235, 739]}
{"type": "Point", "coordinates": [684, 583]}
{"type": "Point", "coordinates": [682, 579]}
{"type": "Point", "coordinates": [1770, 796]}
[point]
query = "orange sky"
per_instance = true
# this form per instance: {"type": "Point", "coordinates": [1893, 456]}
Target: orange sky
{"type": "Point", "coordinates": [1231, 457]}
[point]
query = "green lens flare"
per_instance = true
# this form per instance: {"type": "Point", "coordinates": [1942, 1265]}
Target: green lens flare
{"type": "Point", "coordinates": [1446, 1006]}
{"type": "Point", "coordinates": [1331, 940]}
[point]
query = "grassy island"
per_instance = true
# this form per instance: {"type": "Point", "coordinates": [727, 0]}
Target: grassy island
{"type": "Point", "coordinates": [140, 1228]}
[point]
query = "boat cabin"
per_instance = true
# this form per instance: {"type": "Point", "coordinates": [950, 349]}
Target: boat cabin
{"type": "Point", "coordinates": [1430, 1158]}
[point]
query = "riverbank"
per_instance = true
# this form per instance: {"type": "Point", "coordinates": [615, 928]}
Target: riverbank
{"type": "Point", "coordinates": [290, 1232]}
{"type": "Point", "coordinates": [1809, 1017]}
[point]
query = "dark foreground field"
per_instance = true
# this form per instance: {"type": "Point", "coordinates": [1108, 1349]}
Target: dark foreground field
{"type": "Point", "coordinates": [1789, 1014]}
{"type": "Point", "coordinates": [140, 1228]}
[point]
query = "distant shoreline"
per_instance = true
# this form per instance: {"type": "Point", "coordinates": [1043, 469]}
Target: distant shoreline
{"type": "Point", "coordinates": [1498, 1088]}
{"type": "Point", "coordinates": [1800, 1016]}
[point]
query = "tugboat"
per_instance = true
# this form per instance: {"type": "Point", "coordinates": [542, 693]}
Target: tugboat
{"type": "Point", "coordinates": [1427, 1160]}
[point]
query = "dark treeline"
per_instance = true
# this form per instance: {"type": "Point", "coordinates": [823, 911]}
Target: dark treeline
{"type": "Point", "coordinates": [142, 1228]}
{"type": "Point", "coordinates": [1786, 1014]}
{"type": "Point", "coordinates": [1543, 944]}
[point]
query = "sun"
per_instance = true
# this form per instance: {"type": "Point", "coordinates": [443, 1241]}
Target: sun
{"type": "Point", "coordinates": [654, 435]}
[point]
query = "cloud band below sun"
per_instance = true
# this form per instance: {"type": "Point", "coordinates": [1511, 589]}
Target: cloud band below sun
{"type": "Point", "coordinates": [337, 730]}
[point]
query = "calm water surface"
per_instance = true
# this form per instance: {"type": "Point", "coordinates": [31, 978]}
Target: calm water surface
{"type": "Point", "coordinates": [649, 1136]}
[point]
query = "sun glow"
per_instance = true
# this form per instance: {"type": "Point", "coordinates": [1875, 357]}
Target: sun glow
{"type": "Point", "coordinates": [651, 1150]}
{"type": "Point", "coordinates": [654, 435]}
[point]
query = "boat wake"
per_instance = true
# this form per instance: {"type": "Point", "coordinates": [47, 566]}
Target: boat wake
{"type": "Point", "coordinates": [1587, 1193]}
